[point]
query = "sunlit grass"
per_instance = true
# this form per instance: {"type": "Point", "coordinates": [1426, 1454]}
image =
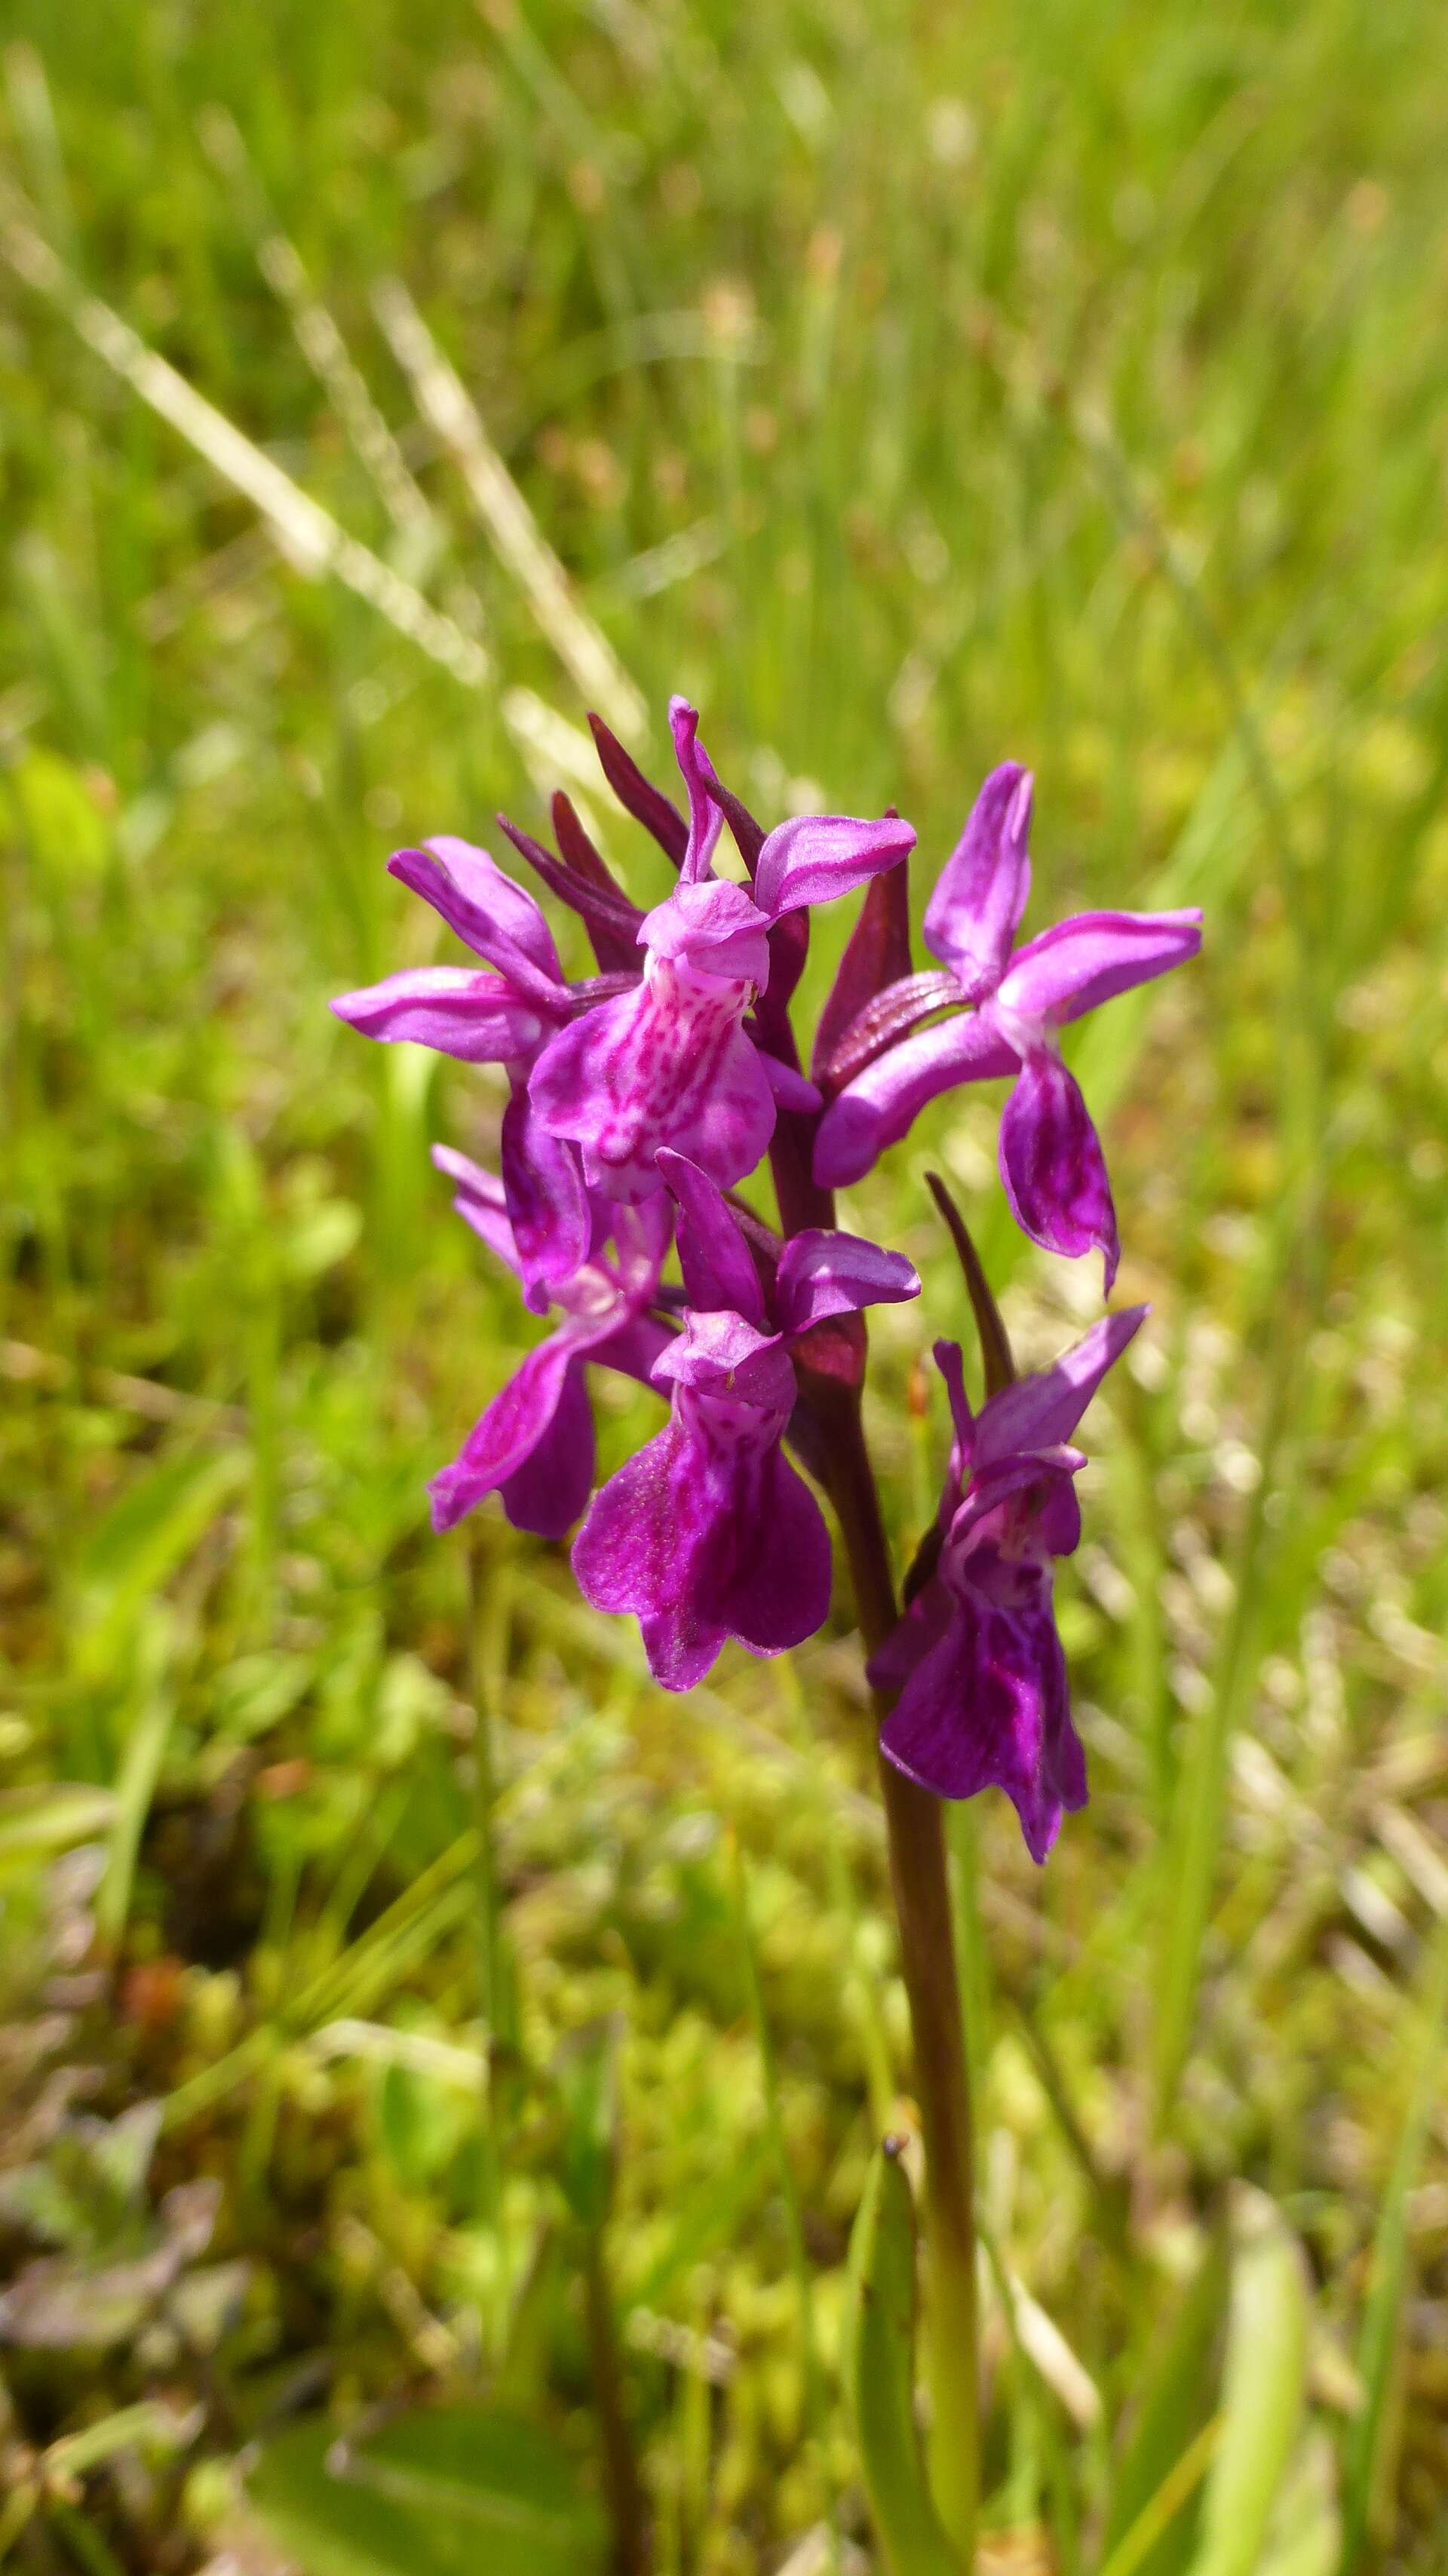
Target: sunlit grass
{"type": "Point", "coordinates": [914, 395]}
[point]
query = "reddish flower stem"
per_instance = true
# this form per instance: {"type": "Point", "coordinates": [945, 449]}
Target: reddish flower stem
{"type": "Point", "coordinates": [921, 1888]}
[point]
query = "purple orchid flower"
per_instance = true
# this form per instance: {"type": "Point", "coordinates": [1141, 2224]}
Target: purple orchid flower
{"type": "Point", "coordinates": [671, 1064]}
{"type": "Point", "coordinates": [886, 1066]}
{"type": "Point", "coordinates": [709, 1532]}
{"type": "Point", "coordinates": [534, 1443]}
{"type": "Point", "coordinates": [504, 1016]}
{"type": "Point", "coordinates": [983, 1696]}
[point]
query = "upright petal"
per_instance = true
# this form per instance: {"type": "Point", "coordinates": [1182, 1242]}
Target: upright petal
{"type": "Point", "coordinates": [1042, 1411]}
{"type": "Point", "coordinates": [823, 1273]}
{"type": "Point", "coordinates": [1079, 963]}
{"type": "Point", "coordinates": [981, 892]}
{"type": "Point", "coordinates": [638, 795]}
{"type": "Point", "coordinates": [487, 910]}
{"type": "Point", "coordinates": [717, 1264]}
{"type": "Point", "coordinates": [546, 1202]}
{"type": "Point", "coordinates": [814, 857]}
{"type": "Point", "coordinates": [880, 1105]}
{"type": "Point", "coordinates": [696, 768]}
{"type": "Point", "coordinates": [459, 1010]}
{"type": "Point", "coordinates": [1052, 1165]}
{"type": "Point", "coordinates": [506, 1436]}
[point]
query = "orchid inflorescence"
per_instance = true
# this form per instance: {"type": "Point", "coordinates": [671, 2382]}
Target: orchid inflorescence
{"type": "Point", "coordinates": [641, 1097]}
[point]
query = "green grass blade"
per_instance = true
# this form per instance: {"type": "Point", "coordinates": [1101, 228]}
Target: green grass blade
{"type": "Point", "coordinates": [1382, 2316]}
{"type": "Point", "coordinates": [1263, 2388]}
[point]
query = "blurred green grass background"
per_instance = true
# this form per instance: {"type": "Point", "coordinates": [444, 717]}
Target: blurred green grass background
{"type": "Point", "coordinates": [914, 390]}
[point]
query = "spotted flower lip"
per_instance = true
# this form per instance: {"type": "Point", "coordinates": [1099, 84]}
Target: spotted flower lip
{"type": "Point", "coordinates": [672, 1063]}
{"type": "Point", "coordinates": [709, 1532]}
{"type": "Point", "coordinates": [1051, 1161]}
{"type": "Point", "coordinates": [534, 1443]}
{"type": "Point", "coordinates": [976, 1661]}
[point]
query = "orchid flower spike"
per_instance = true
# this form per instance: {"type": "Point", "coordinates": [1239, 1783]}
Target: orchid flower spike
{"type": "Point", "coordinates": [976, 1661]}
{"type": "Point", "coordinates": [709, 1532]}
{"type": "Point", "coordinates": [889, 1066]}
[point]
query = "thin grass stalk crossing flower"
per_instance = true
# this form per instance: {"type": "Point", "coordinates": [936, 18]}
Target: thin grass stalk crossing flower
{"type": "Point", "coordinates": [639, 1099]}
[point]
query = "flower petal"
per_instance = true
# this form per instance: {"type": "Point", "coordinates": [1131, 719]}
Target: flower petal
{"type": "Point", "coordinates": [638, 795]}
{"type": "Point", "coordinates": [718, 1267]}
{"type": "Point", "coordinates": [1042, 1411]}
{"type": "Point", "coordinates": [790, 1087]}
{"type": "Point", "coordinates": [704, 1535]}
{"type": "Point", "coordinates": [666, 1065]}
{"type": "Point", "coordinates": [721, 1355]}
{"type": "Point", "coordinates": [550, 1491]}
{"type": "Point", "coordinates": [877, 1108]}
{"type": "Point", "coordinates": [1052, 1165]}
{"type": "Point", "coordinates": [981, 892]}
{"type": "Point", "coordinates": [497, 918]}
{"type": "Point", "coordinates": [459, 1010]}
{"type": "Point", "coordinates": [696, 768]}
{"type": "Point", "coordinates": [989, 1705]}
{"type": "Point", "coordinates": [823, 1273]}
{"type": "Point", "coordinates": [1079, 963]}
{"type": "Point", "coordinates": [505, 1437]}
{"type": "Point", "coordinates": [480, 1202]}
{"type": "Point", "coordinates": [547, 1204]}
{"type": "Point", "coordinates": [814, 857]}
{"type": "Point", "coordinates": [877, 954]}
{"type": "Point", "coordinates": [712, 926]}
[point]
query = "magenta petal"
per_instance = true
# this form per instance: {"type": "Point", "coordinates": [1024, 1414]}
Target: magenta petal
{"type": "Point", "coordinates": [505, 1437]}
{"type": "Point", "coordinates": [789, 1086]}
{"type": "Point", "coordinates": [716, 1262]}
{"type": "Point", "coordinates": [778, 1592]}
{"type": "Point", "coordinates": [814, 857]}
{"type": "Point", "coordinates": [486, 909]}
{"type": "Point", "coordinates": [981, 892]}
{"type": "Point", "coordinates": [634, 1350]}
{"type": "Point", "coordinates": [823, 1273]}
{"type": "Point", "coordinates": [879, 1106]}
{"type": "Point", "coordinates": [550, 1490]}
{"type": "Point", "coordinates": [1070, 969]}
{"type": "Point", "coordinates": [666, 1065]}
{"type": "Point", "coordinates": [1042, 1411]}
{"type": "Point", "coordinates": [988, 1706]}
{"type": "Point", "coordinates": [877, 954]}
{"type": "Point", "coordinates": [456, 1009]}
{"type": "Point", "coordinates": [713, 927]}
{"type": "Point", "coordinates": [723, 1356]}
{"type": "Point", "coordinates": [707, 1533]}
{"type": "Point", "coordinates": [546, 1202]}
{"type": "Point", "coordinates": [696, 769]}
{"type": "Point", "coordinates": [480, 1201]}
{"type": "Point", "coordinates": [1052, 1165]}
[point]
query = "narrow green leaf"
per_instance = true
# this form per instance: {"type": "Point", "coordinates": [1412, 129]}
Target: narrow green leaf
{"type": "Point", "coordinates": [1382, 2314]}
{"type": "Point", "coordinates": [880, 2374]}
{"type": "Point", "coordinates": [1306, 2533]}
{"type": "Point", "coordinates": [1175, 2404]}
{"type": "Point", "coordinates": [147, 1535]}
{"type": "Point", "coordinates": [435, 2494]}
{"type": "Point", "coordinates": [1263, 2386]}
